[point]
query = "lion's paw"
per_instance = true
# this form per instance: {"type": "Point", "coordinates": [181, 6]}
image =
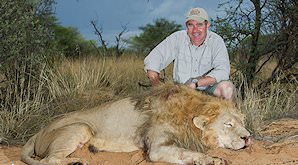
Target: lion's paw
{"type": "Point", "coordinates": [211, 161]}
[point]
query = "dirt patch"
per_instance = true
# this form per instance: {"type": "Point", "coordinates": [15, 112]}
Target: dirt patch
{"type": "Point", "coordinates": [278, 146]}
{"type": "Point", "coordinates": [10, 155]}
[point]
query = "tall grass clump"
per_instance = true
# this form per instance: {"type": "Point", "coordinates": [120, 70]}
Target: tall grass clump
{"type": "Point", "coordinates": [79, 83]}
{"type": "Point", "coordinates": [126, 72]}
{"type": "Point", "coordinates": [23, 108]}
{"type": "Point", "coordinates": [85, 82]}
{"type": "Point", "coordinates": [276, 100]}
{"type": "Point", "coordinates": [78, 76]}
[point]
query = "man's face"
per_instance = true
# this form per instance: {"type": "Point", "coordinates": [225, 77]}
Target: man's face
{"type": "Point", "coordinates": [197, 31]}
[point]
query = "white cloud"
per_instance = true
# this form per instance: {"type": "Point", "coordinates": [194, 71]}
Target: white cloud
{"type": "Point", "coordinates": [172, 10]}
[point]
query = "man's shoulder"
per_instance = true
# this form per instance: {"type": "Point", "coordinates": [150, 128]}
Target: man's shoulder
{"type": "Point", "coordinates": [178, 37]}
{"type": "Point", "coordinates": [180, 33]}
{"type": "Point", "coordinates": [214, 39]}
{"type": "Point", "coordinates": [214, 36]}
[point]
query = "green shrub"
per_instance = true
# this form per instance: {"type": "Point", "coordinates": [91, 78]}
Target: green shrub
{"type": "Point", "coordinates": [25, 53]}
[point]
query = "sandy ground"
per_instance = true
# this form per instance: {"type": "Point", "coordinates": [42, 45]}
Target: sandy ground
{"type": "Point", "coordinates": [279, 146]}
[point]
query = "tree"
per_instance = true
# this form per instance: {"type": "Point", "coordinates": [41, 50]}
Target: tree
{"type": "Point", "coordinates": [256, 28]}
{"type": "Point", "coordinates": [24, 29]}
{"type": "Point", "coordinates": [242, 23]}
{"type": "Point", "coordinates": [152, 35]}
{"type": "Point", "coordinates": [70, 42]}
{"type": "Point", "coordinates": [25, 52]}
{"type": "Point", "coordinates": [26, 35]}
{"type": "Point", "coordinates": [119, 48]}
{"type": "Point", "coordinates": [98, 32]}
{"type": "Point", "coordinates": [283, 19]}
{"type": "Point", "coordinates": [116, 50]}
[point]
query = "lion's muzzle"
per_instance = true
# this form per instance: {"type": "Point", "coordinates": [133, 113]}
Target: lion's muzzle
{"type": "Point", "coordinates": [247, 141]}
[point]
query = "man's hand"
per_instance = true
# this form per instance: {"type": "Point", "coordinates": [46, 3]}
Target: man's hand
{"type": "Point", "coordinates": [153, 77]}
{"type": "Point", "coordinates": [192, 83]}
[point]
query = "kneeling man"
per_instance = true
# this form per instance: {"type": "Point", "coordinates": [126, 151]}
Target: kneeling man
{"type": "Point", "coordinates": [200, 57]}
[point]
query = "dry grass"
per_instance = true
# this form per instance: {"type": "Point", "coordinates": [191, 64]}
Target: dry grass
{"type": "Point", "coordinates": [86, 82]}
{"type": "Point", "coordinates": [278, 100]}
{"type": "Point", "coordinates": [22, 106]}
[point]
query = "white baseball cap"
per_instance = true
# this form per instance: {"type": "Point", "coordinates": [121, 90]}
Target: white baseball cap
{"type": "Point", "coordinates": [197, 14]}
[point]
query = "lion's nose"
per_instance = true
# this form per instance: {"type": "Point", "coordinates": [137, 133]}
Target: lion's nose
{"type": "Point", "coordinates": [247, 140]}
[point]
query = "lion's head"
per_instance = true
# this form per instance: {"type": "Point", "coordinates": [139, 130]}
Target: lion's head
{"type": "Point", "coordinates": [200, 121]}
{"type": "Point", "coordinates": [226, 130]}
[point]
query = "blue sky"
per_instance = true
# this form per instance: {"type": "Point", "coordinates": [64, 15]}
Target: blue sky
{"type": "Point", "coordinates": [112, 14]}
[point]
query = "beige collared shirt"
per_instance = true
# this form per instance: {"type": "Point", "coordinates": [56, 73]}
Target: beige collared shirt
{"type": "Point", "coordinates": [189, 60]}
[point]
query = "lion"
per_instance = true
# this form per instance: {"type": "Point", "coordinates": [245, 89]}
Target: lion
{"type": "Point", "coordinates": [171, 123]}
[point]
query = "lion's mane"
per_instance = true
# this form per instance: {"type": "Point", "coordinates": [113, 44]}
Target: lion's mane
{"type": "Point", "coordinates": [177, 105]}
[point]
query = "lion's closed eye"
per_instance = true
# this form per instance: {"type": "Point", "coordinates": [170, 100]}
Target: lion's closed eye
{"type": "Point", "coordinates": [228, 124]}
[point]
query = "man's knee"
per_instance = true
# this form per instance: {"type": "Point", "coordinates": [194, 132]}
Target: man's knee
{"type": "Point", "coordinates": [225, 89]}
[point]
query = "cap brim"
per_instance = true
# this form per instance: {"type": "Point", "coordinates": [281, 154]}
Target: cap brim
{"type": "Point", "coordinates": [198, 19]}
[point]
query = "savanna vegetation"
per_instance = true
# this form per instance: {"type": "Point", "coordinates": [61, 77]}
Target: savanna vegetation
{"type": "Point", "coordinates": [47, 70]}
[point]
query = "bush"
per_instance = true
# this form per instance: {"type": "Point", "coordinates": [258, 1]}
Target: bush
{"type": "Point", "coordinates": [25, 53]}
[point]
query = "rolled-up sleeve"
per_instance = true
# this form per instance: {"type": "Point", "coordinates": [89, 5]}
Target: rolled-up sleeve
{"type": "Point", "coordinates": [162, 55]}
{"type": "Point", "coordinates": [220, 61]}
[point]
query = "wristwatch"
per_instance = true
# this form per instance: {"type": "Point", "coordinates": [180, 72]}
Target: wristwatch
{"type": "Point", "coordinates": [195, 81]}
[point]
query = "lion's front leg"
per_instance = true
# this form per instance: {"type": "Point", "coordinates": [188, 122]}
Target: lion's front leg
{"type": "Point", "coordinates": [173, 154]}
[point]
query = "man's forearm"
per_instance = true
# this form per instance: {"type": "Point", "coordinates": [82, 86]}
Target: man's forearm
{"type": "Point", "coordinates": [206, 81]}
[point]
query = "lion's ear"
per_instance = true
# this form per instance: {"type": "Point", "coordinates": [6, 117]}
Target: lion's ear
{"type": "Point", "coordinates": [200, 121]}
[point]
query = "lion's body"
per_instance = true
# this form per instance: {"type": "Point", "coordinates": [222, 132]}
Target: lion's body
{"type": "Point", "coordinates": [172, 124]}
